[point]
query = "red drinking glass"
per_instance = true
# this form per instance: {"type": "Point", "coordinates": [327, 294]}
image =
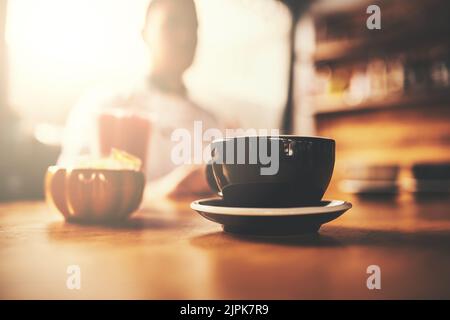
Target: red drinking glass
{"type": "Point", "coordinates": [125, 131]}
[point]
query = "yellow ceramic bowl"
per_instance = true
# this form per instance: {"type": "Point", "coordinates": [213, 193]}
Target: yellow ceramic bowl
{"type": "Point", "coordinates": [93, 195]}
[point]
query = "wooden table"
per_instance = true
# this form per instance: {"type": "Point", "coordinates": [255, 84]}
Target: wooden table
{"type": "Point", "coordinates": [168, 251]}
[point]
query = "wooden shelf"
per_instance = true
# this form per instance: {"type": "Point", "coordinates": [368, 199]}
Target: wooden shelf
{"type": "Point", "coordinates": [343, 51]}
{"type": "Point", "coordinates": [404, 30]}
{"type": "Point", "coordinates": [419, 99]}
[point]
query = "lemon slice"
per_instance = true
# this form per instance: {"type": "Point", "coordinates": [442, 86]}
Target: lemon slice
{"type": "Point", "coordinates": [125, 159]}
{"type": "Point", "coordinates": [117, 160]}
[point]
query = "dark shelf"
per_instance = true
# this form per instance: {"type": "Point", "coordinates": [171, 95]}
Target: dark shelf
{"type": "Point", "coordinates": [344, 51]}
{"type": "Point", "coordinates": [406, 27]}
{"type": "Point", "coordinates": [419, 99]}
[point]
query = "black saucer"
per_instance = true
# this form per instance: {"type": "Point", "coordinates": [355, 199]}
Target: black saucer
{"type": "Point", "coordinates": [270, 221]}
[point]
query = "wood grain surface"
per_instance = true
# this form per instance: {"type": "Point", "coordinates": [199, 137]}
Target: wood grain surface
{"type": "Point", "coordinates": [167, 251]}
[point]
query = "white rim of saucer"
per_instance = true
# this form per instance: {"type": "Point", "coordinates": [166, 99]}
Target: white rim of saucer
{"type": "Point", "coordinates": [332, 206]}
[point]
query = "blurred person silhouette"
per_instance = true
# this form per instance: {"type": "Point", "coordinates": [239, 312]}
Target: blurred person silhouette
{"type": "Point", "coordinates": [170, 32]}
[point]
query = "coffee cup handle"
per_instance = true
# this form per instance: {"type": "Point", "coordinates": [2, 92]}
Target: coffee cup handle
{"type": "Point", "coordinates": [210, 177]}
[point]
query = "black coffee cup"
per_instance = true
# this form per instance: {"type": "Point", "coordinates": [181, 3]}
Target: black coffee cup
{"type": "Point", "coordinates": [271, 171]}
